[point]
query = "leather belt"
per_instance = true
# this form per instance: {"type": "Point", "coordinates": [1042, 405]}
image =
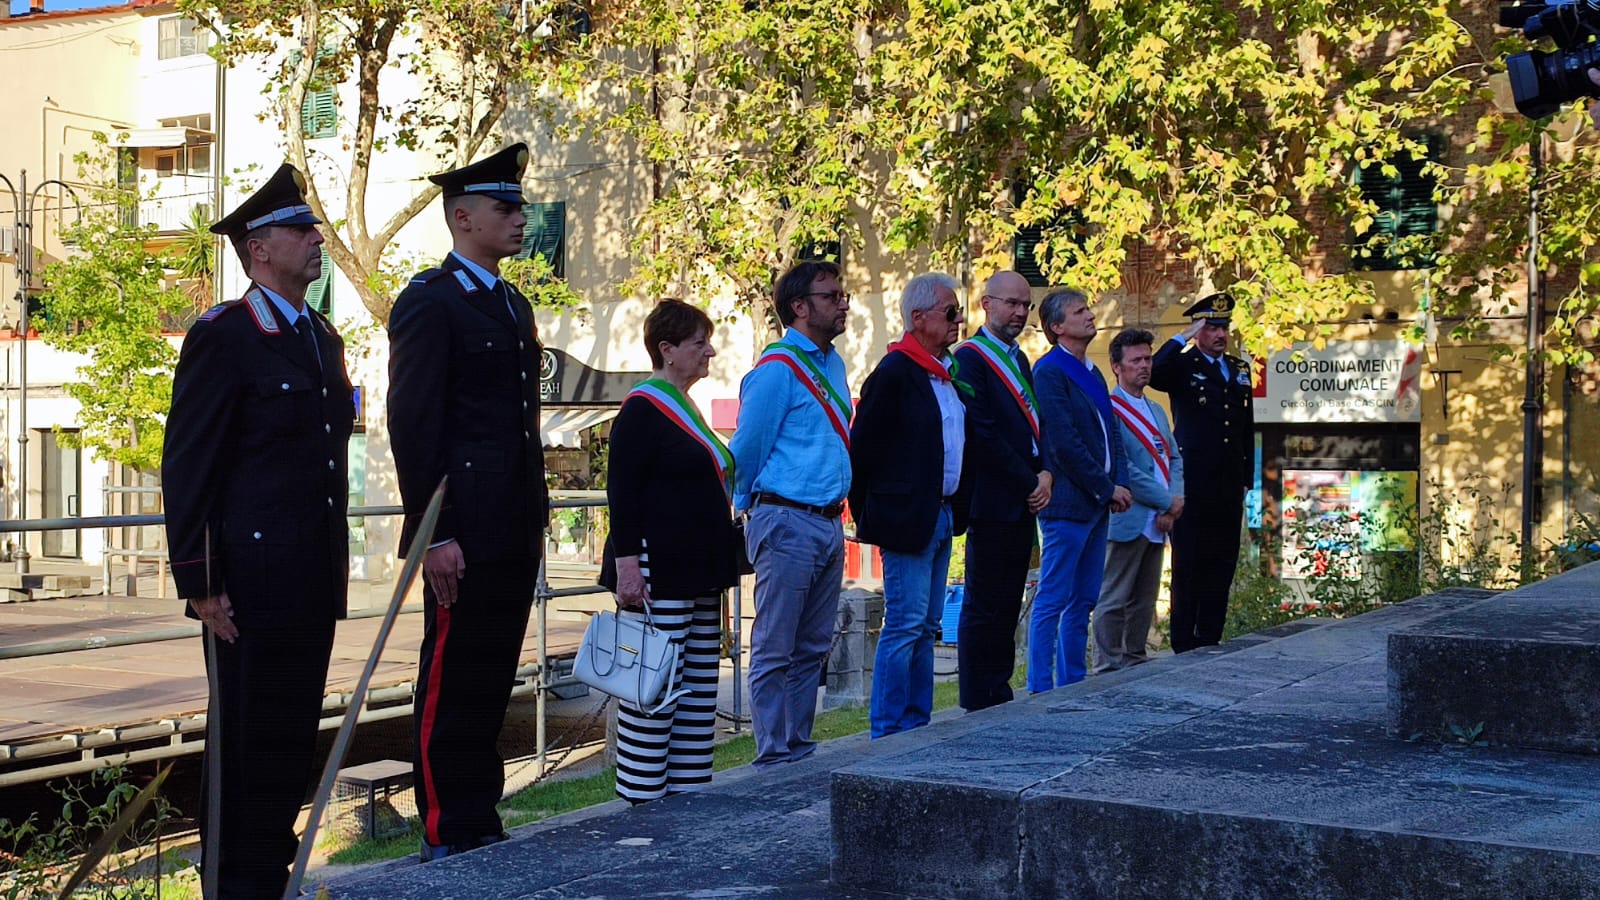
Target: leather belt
{"type": "Point", "coordinates": [831, 511]}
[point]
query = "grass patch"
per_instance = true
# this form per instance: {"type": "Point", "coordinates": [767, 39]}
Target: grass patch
{"type": "Point", "coordinates": [547, 799]}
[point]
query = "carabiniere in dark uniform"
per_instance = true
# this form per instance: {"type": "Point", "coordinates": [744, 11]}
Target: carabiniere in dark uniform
{"type": "Point", "coordinates": [1214, 424]}
{"type": "Point", "coordinates": [464, 402]}
{"type": "Point", "coordinates": [254, 479]}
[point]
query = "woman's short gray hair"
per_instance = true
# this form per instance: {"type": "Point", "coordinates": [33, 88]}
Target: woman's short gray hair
{"type": "Point", "coordinates": [922, 292]}
{"type": "Point", "coordinates": [1053, 309]}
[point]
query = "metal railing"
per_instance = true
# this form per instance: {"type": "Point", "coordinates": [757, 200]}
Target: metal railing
{"type": "Point", "coordinates": [541, 673]}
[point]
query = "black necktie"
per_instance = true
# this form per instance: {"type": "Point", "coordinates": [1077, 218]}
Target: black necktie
{"type": "Point", "coordinates": [302, 327]}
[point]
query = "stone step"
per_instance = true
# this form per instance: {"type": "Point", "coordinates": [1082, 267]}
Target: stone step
{"type": "Point", "coordinates": [1519, 669]}
{"type": "Point", "coordinates": [1265, 772]}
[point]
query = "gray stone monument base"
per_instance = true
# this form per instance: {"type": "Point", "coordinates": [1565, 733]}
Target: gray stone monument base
{"type": "Point", "coordinates": [1266, 771]}
{"type": "Point", "coordinates": [1521, 668]}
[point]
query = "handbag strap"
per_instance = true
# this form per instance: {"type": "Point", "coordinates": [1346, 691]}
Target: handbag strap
{"type": "Point", "coordinates": [668, 696]}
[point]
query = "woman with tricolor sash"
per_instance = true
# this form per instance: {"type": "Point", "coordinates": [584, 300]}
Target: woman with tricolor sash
{"type": "Point", "coordinates": [671, 547]}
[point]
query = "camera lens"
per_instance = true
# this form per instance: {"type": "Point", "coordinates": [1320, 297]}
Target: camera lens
{"type": "Point", "coordinates": [1543, 82]}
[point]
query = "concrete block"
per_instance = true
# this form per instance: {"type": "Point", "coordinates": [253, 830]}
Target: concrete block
{"type": "Point", "coordinates": [859, 619]}
{"type": "Point", "coordinates": [919, 838]}
{"type": "Point", "coordinates": [1524, 665]}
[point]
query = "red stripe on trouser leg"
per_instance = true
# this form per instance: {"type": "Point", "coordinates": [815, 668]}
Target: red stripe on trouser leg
{"type": "Point", "coordinates": [430, 710]}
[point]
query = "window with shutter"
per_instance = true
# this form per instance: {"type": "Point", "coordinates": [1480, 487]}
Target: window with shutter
{"type": "Point", "coordinates": [319, 114]}
{"type": "Point", "coordinates": [1025, 243]}
{"type": "Point", "coordinates": [1407, 213]}
{"type": "Point", "coordinates": [319, 294]}
{"type": "Point", "coordinates": [545, 234]}
{"type": "Point", "coordinates": [319, 111]}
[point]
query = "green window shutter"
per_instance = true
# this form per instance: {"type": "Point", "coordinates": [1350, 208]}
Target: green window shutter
{"type": "Point", "coordinates": [319, 294]}
{"type": "Point", "coordinates": [319, 110]}
{"type": "Point", "coordinates": [319, 114]}
{"type": "Point", "coordinates": [1406, 209]}
{"type": "Point", "coordinates": [545, 234]}
{"type": "Point", "coordinates": [1025, 242]}
{"type": "Point", "coordinates": [1023, 247]}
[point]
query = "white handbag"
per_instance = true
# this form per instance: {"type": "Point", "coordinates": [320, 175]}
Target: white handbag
{"type": "Point", "coordinates": [629, 659]}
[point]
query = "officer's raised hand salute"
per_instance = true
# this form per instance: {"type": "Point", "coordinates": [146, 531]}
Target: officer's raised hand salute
{"type": "Point", "coordinates": [464, 402]}
{"type": "Point", "coordinates": [253, 478]}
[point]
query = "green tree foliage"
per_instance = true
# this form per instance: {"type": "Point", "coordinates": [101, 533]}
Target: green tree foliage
{"type": "Point", "coordinates": [431, 78]}
{"type": "Point", "coordinates": [1224, 134]}
{"type": "Point", "coordinates": [109, 300]}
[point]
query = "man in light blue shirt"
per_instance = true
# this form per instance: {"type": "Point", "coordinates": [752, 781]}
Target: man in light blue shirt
{"type": "Point", "coordinates": [791, 456]}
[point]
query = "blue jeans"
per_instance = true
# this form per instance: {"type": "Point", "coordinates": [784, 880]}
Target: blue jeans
{"type": "Point", "coordinates": [799, 562]}
{"type": "Point", "coordinates": [913, 602]}
{"type": "Point", "coordinates": [1072, 563]}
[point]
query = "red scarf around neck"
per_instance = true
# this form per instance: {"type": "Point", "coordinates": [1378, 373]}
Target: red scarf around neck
{"type": "Point", "coordinates": [920, 355]}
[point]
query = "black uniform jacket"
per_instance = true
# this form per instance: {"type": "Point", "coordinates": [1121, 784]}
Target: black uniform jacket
{"type": "Point", "coordinates": [1214, 419]}
{"type": "Point", "coordinates": [254, 466]}
{"type": "Point", "coordinates": [897, 459]}
{"type": "Point", "coordinates": [464, 401]}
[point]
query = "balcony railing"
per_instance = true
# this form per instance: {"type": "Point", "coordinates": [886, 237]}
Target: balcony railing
{"type": "Point", "coordinates": [172, 213]}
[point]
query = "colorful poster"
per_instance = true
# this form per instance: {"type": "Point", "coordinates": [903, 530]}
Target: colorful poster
{"type": "Point", "coordinates": [1332, 517]}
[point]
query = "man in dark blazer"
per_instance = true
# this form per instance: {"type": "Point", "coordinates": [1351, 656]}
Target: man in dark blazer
{"type": "Point", "coordinates": [1209, 391]}
{"type": "Point", "coordinates": [906, 452]}
{"type": "Point", "coordinates": [464, 402]}
{"type": "Point", "coordinates": [1079, 427]}
{"type": "Point", "coordinates": [253, 475]}
{"type": "Point", "coordinates": [1008, 486]}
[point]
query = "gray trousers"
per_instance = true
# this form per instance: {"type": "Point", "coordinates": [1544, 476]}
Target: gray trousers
{"type": "Point", "coordinates": [1127, 603]}
{"type": "Point", "coordinates": [799, 563]}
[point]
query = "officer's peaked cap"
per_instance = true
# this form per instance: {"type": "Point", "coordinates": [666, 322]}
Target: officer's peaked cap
{"type": "Point", "coordinates": [281, 201]}
{"type": "Point", "coordinates": [1212, 307]}
{"type": "Point", "coordinates": [498, 176]}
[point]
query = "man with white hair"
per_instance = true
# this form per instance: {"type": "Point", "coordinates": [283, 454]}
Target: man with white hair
{"type": "Point", "coordinates": [906, 451]}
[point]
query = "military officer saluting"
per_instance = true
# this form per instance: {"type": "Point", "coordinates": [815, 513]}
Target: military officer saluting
{"type": "Point", "coordinates": [464, 402]}
{"type": "Point", "coordinates": [253, 474]}
{"type": "Point", "coordinates": [1209, 391]}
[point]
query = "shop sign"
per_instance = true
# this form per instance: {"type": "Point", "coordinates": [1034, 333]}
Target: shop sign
{"type": "Point", "coordinates": [1346, 381]}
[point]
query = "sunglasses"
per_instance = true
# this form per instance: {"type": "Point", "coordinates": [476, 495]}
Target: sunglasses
{"type": "Point", "coordinates": [950, 313]}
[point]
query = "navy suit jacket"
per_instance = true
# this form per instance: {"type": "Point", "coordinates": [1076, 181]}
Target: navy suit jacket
{"type": "Point", "coordinates": [1003, 463]}
{"type": "Point", "coordinates": [1075, 446]}
{"type": "Point", "coordinates": [897, 459]}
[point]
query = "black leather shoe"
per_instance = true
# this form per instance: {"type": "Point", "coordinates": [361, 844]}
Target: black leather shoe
{"type": "Point", "coordinates": [431, 852]}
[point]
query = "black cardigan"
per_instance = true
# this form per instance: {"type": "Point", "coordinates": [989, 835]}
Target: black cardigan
{"type": "Point", "coordinates": [663, 489]}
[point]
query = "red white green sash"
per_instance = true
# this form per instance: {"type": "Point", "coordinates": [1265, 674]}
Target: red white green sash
{"type": "Point", "coordinates": [835, 406]}
{"type": "Point", "coordinates": [1147, 433]}
{"type": "Point", "coordinates": [681, 410]}
{"type": "Point", "coordinates": [1005, 365]}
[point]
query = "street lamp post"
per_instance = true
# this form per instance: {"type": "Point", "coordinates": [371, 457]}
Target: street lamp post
{"type": "Point", "coordinates": [1533, 376]}
{"type": "Point", "coordinates": [25, 204]}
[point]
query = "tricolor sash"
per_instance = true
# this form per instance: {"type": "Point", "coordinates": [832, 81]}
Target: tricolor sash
{"type": "Point", "coordinates": [835, 407]}
{"type": "Point", "coordinates": [1005, 366]}
{"type": "Point", "coordinates": [681, 410]}
{"type": "Point", "coordinates": [1147, 433]}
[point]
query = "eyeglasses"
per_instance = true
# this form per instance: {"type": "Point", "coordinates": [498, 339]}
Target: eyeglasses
{"type": "Point", "coordinates": [834, 297]}
{"type": "Point", "coordinates": [1025, 305]}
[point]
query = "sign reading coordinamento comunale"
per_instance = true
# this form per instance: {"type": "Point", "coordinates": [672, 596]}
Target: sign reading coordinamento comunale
{"type": "Point", "coordinates": [1346, 381]}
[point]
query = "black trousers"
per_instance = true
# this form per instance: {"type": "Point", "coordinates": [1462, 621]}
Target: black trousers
{"type": "Point", "coordinates": [997, 559]}
{"type": "Point", "coordinates": [270, 685]}
{"type": "Point", "coordinates": [464, 679]}
{"type": "Point", "coordinates": [1205, 550]}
